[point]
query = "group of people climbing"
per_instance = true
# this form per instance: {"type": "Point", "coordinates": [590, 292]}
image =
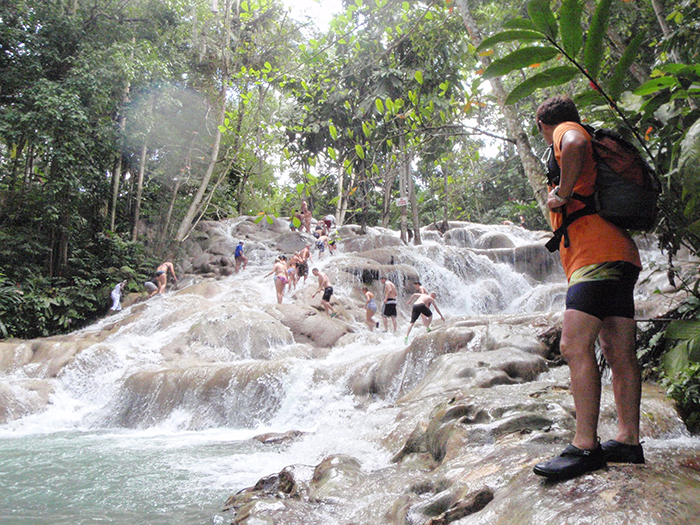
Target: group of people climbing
{"type": "Point", "coordinates": [324, 231]}
{"type": "Point", "coordinates": [289, 271]}
{"type": "Point", "coordinates": [421, 299]}
{"type": "Point", "coordinates": [154, 286]}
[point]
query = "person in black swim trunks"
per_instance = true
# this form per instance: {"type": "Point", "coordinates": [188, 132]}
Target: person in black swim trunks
{"type": "Point", "coordinates": [389, 303]}
{"type": "Point", "coordinates": [324, 283]}
{"type": "Point", "coordinates": [422, 308]}
{"type": "Point", "coordinates": [303, 264]}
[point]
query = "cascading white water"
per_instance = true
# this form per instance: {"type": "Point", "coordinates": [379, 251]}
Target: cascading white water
{"type": "Point", "coordinates": [154, 423]}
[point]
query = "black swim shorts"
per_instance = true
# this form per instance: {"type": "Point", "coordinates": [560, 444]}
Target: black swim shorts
{"type": "Point", "coordinates": [389, 308]}
{"type": "Point", "coordinates": [303, 269]}
{"type": "Point", "coordinates": [419, 309]}
{"type": "Point", "coordinates": [327, 293]}
{"type": "Point", "coordinates": [603, 290]}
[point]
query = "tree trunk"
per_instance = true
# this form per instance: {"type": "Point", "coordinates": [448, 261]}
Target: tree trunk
{"type": "Point", "coordinates": [117, 173]}
{"type": "Point", "coordinates": [415, 213]}
{"type": "Point", "coordinates": [116, 177]}
{"type": "Point", "coordinates": [339, 210]}
{"type": "Point", "coordinates": [187, 222]}
{"type": "Point", "coordinates": [531, 164]}
{"type": "Point", "coordinates": [139, 191]}
{"type": "Point", "coordinates": [403, 183]}
{"type": "Point", "coordinates": [445, 217]}
{"type": "Point", "coordinates": [388, 184]}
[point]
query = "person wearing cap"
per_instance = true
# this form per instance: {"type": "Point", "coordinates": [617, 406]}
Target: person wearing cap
{"type": "Point", "coordinates": [239, 257]}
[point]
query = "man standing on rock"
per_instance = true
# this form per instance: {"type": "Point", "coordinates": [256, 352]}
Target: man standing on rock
{"type": "Point", "coordinates": [602, 264]}
{"type": "Point", "coordinates": [324, 283]}
{"type": "Point", "coordinates": [239, 257]}
{"type": "Point", "coordinates": [389, 303]}
{"type": "Point", "coordinates": [303, 263]}
{"type": "Point", "coordinates": [422, 308]}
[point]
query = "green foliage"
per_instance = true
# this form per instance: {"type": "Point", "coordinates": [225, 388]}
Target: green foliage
{"type": "Point", "coordinates": [684, 389]}
{"type": "Point", "coordinates": [35, 305]}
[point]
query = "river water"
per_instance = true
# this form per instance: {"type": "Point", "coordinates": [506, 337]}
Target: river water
{"type": "Point", "coordinates": [71, 465]}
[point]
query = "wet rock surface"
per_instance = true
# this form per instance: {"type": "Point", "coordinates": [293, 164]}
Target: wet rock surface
{"type": "Point", "coordinates": [471, 405]}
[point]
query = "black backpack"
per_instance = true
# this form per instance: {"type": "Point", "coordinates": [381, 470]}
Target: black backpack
{"type": "Point", "coordinates": [626, 187]}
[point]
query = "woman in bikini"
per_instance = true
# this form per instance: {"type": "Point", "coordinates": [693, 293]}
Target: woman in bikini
{"type": "Point", "coordinates": [280, 271]}
{"type": "Point", "coordinates": [370, 308]}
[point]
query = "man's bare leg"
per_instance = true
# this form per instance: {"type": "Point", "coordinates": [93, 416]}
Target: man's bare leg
{"type": "Point", "coordinates": [617, 339]}
{"type": "Point", "coordinates": [579, 333]}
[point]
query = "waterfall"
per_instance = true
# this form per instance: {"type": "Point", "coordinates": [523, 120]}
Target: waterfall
{"type": "Point", "coordinates": [152, 413]}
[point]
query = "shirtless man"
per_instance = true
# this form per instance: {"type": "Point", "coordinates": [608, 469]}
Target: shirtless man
{"type": "Point", "coordinates": [422, 308]}
{"type": "Point", "coordinates": [324, 283]}
{"type": "Point", "coordinates": [303, 264]}
{"type": "Point", "coordinates": [419, 287]}
{"type": "Point", "coordinates": [321, 244]}
{"type": "Point", "coordinates": [280, 271]}
{"type": "Point", "coordinates": [389, 303]}
{"type": "Point", "coordinates": [162, 277]}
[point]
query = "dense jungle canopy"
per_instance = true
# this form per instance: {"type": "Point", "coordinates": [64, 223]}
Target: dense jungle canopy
{"type": "Point", "coordinates": [125, 122]}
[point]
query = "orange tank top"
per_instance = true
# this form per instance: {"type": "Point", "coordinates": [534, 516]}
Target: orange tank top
{"type": "Point", "coordinates": [593, 240]}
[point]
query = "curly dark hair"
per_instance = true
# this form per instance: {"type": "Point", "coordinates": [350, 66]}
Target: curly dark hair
{"type": "Point", "coordinates": [556, 110]}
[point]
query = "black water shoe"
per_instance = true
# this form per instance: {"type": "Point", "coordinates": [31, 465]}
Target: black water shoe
{"type": "Point", "coordinates": [572, 462]}
{"type": "Point", "coordinates": [616, 452]}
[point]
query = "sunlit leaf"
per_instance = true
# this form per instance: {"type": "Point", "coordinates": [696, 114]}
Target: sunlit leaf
{"type": "Point", "coordinates": [519, 59]}
{"type": "Point", "coordinates": [270, 220]}
{"type": "Point", "coordinates": [654, 85]}
{"type": "Point", "coordinates": [360, 152]}
{"type": "Point", "coordinates": [332, 153]}
{"type": "Point", "coordinates": [333, 131]}
{"type": "Point", "coordinates": [551, 77]}
{"type": "Point", "coordinates": [379, 105]}
{"type": "Point", "coordinates": [520, 35]}
{"type": "Point", "coordinates": [520, 23]}
{"type": "Point", "coordinates": [419, 77]}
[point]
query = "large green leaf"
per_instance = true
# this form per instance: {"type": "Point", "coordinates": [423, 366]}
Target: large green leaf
{"type": "Point", "coordinates": [676, 359]}
{"type": "Point", "coordinates": [617, 80]}
{"type": "Point", "coordinates": [521, 35]}
{"type": "Point", "coordinates": [551, 77]}
{"type": "Point", "coordinates": [593, 52]}
{"type": "Point", "coordinates": [683, 329]}
{"type": "Point", "coordinates": [519, 59]}
{"type": "Point", "coordinates": [520, 23]}
{"type": "Point", "coordinates": [543, 18]}
{"type": "Point", "coordinates": [570, 22]}
{"type": "Point", "coordinates": [654, 85]}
